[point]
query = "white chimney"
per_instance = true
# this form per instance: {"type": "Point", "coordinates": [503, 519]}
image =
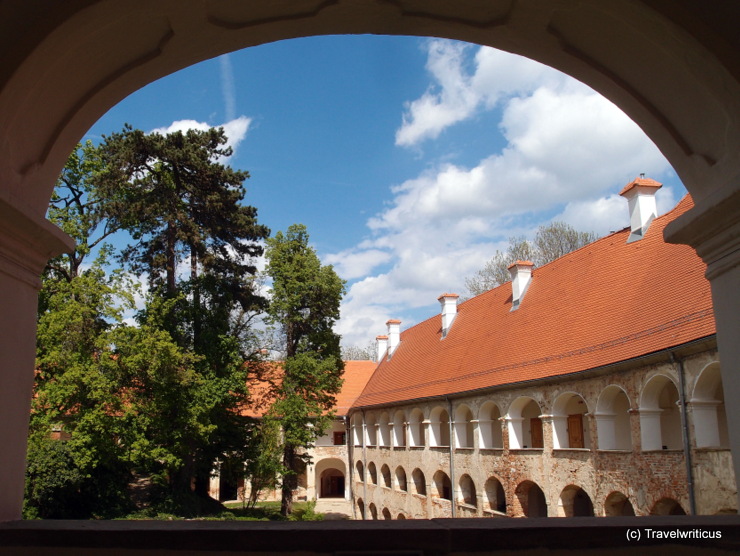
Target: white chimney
{"type": "Point", "coordinates": [381, 346]}
{"type": "Point", "coordinates": [640, 194]}
{"type": "Point", "coordinates": [448, 301]}
{"type": "Point", "coordinates": [521, 276]}
{"type": "Point", "coordinates": [394, 335]}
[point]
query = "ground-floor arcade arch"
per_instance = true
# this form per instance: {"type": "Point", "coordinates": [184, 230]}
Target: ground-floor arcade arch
{"type": "Point", "coordinates": [330, 475]}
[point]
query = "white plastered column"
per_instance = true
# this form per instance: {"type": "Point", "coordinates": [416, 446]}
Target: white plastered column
{"type": "Point", "coordinates": [712, 227]}
{"type": "Point", "coordinates": [26, 244]}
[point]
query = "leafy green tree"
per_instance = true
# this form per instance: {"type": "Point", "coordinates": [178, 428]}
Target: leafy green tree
{"type": "Point", "coordinates": [550, 242]}
{"type": "Point", "coordinates": [180, 204]}
{"type": "Point", "coordinates": [304, 304]}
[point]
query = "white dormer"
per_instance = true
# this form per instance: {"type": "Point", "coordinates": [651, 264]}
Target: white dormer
{"type": "Point", "coordinates": [448, 301]}
{"type": "Point", "coordinates": [381, 346]}
{"type": "Point", "coordinates": [640, 194]}
{"type": "Point", "coordinates": [521, 276]}
{"type": "Point", "coordinates": [394, 335]}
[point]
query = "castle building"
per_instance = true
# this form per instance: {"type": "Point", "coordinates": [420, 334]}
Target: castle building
{"type": "Point", "coordinates": [588, 386]}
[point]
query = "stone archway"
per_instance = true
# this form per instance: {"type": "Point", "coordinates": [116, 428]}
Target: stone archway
{"type": "Point", "coordinates": [331, 478]}
{"type": "Point", "coordinates": [664, 64]}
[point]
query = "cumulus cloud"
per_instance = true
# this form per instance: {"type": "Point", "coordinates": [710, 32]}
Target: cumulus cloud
{"type": "Point", "coordinates": [568, 153]}
{"type": "Point", "coordinates": [235, 129]}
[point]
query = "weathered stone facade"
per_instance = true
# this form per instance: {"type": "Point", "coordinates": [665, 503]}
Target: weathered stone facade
{"type": "Point", "coordinates": [418, 472]}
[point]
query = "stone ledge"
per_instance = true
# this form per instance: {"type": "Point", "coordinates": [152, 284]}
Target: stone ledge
{"type": "Point", "coordinates": [437, 537]}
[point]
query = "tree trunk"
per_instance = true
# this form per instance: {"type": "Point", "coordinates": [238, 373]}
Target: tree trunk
{"type": "Point", "coordinates": [290, 480]}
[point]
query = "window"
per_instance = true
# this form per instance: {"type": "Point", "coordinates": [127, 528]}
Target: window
{"type": "Point", "coordinates": [340, 438]}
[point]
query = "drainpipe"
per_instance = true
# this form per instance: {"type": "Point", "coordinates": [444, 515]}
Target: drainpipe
{"type": "Point", "coordinates": [452, 458]}
{"type": "Point", "coordinates": [364, 469]}
{"type": "Point", "coordinates": [685, 430]}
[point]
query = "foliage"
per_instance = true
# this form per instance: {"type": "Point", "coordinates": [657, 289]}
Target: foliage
{"type": "Point", "coordinates": [165, 397]}
{"type": "Point", "coordinates": [357, 353]}
{"type": "Point", "coordinates": [304, 303]}
{"type": "Point", "coordinates": [550, 242]}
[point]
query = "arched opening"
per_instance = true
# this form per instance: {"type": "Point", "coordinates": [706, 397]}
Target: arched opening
{"type": "Point", "coordinates": [332, 484]}
{"type": "Point", "coordinates": [489, 425]}
{"type": "Point", "coordinates": [700, 148]}
{"type": "Point", "coordinates": [360, 475]}
{"type": "Point", "coordinates": [399, 429]}
{"type": "Point", "coordinates": [371, 430]}
{"type": "Point", "coordinates": [384, 430]}
{"type": "Point", "coordinates": [708, 409]}
{"type": "Point", "coordinates": [372, 473]}
{"type": "Point", "coordinates": [401, 516]}
{"type": "Point", "coordinates": [416, 428]}
{"type": "Point", "coordinates": [667, 506]}
{"type": "Point", "coordinates": [613, 419]}
{"type": "Point", "coordinates": [575, 502]}
{"type": "Point", "coordinates": [531, 499]}
{"type": "Point", "coordinates": [418, 482]}
{"type": "Point", "coordinates": [441, 485]}
{"type": "Point", "coordinates": [330, 478]}
{"type": "Point", "coordinates": [495, 495]}
{"type": "Point", "coordinates": [387, 514]}
{"type": "Point", "coordinates": [660, 417]}
{"type": "Point", "coordinates": [464, 430]}
{"type": "Point", "coordinates": [618, 504]}
{"type": "Point", "coordinates": [439, 429]}
{"type": "Point", "coordinates": [401, 479]}
{"type": "Point", "coordinates": [357, 429]}
{"type": "Point", "coordinates": [373, 511]}
{"type": "Point", "coordinates": [570, 428]}
{"type": "Point", "coordinates": [385, 472]}
{"type": "Point", "coordinates": [361, 508]}
{"type": "Point", "coordinates": [467, 493]}
{"type": "Point", "coordinates": [525, 424]}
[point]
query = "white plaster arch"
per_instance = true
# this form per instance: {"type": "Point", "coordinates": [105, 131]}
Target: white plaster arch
{"type": "Point", "coordinates": [384, 430]}
{"type": "Point", "coordinates": [707, 405]}
{"type": "Point", "coordinates": [613, 419]}
{"type": "Point", "coordinates": [522, 418]}
{"type": "Point", "coordinates": [416, 428]}
{"type": "Point", "coordinates": [371, 430]}
{"type": "Point", "coordinates": [464, 427]}
{"type": "Point", "coordinates": [489, 426]}
{"type": "Point", "coordinates": [660, 415]}
{"type": "Point", "coordinates": [323, 473]}
{"type": "Point", "coordinates": [357, 434]}
{"type": "Point", "coordinates": [569, 424]}
{"type": "Point", "coordinates": [439, 427]}
{"type": "Point", "coordinates": [63, 67]}
{"type": "Point", "coordinates": [399, 429]}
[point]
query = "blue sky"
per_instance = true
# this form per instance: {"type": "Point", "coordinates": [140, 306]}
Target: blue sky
{"type": "Point", "coordinates": [410, 160]}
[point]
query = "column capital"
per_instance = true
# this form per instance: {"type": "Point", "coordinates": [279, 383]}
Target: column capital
{"type": "Point", "coordinates": [27, 242]}
{"type": "Point", "coordinates": [712, 227]}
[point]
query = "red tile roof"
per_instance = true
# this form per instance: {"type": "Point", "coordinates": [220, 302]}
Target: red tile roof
{"type": "Point", "coordinates": [264, 376]}
{"type": "Point", "coordinates": [607, 302]}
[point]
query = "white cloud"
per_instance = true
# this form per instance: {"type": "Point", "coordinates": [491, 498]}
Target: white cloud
{"type": "Point", "coordinates": [354, 263]}
{"type": "Point", "coordinates": [235, 129]}
{"type": "Point", "coordinates": [569, 151]}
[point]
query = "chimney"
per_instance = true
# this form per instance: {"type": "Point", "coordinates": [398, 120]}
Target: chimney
{"type": "Point", "coordinates": [381, 346]}
{"type": "Point", "coordinates": [394, 335]}
{"type": "Point", "coordinates": [521, 276]}
{"type": "Point", "coordinates": [448, 301]}
{"type": "Point", "coordinates": [640, 194]}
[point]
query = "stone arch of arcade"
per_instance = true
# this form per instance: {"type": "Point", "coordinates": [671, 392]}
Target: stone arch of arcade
{"type": "Point", "coordinates": [671, 66]}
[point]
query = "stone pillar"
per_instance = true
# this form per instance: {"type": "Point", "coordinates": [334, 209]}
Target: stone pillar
{"type": "Point", "coordinates": [712, 227]}
{"type": "Point", "coordinates": [26, 244]}
{"type": "Point", "coordinates": [559, 431]}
